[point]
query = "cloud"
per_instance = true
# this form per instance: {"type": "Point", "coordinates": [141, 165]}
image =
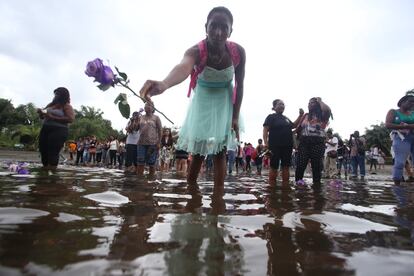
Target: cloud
{"type": "Point", "coordinates": [356, 55]}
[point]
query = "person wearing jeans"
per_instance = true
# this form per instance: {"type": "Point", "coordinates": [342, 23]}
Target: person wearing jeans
{"type": "Point", "coordinates": [231, 158]}
{"type": "Point", "coordinates": [401, 122]}
{"type": "Point", "coordinates": [357, 145]}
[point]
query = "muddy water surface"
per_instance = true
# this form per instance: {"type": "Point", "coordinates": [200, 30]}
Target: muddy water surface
{"type": "Point", "coordinates": [94, 221]}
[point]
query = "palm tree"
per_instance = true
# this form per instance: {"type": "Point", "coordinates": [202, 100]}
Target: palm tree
{"type": "Point", "coordinates": [88, 112]}
{"type": "Point", "coordinates": [28, 135]}
{"type": "Point", "coordinates": [379, 135]}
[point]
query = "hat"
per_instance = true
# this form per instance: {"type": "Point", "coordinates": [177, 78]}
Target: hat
{"type": "Point", "coordinates": [408, 94]}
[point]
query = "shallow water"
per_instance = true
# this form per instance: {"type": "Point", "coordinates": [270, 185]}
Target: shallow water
{"type": "Point", "coordinates": [91, 221]}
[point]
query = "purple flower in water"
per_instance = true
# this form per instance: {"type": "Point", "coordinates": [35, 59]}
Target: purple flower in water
{"type": "Point", "coordinates": [94, 68]}
{"type": "Point", "coordinates": [20, 168]}
{"type": "Point", "coordinates": [23, 171]}
{"type": "Point", "coordinates": [300, 182]}
{"type": "Point", "coordinates": [13, 167]}
{"type": "Point", "coordinates": [335, 182]}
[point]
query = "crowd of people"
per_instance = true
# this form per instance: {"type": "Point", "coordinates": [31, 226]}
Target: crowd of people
{"type": "Point", "coordinates": [338, 158]}
{"type": "Point", "coordinates": [286, 145]}
{"type": "Point", "coordinates": [209, 135]}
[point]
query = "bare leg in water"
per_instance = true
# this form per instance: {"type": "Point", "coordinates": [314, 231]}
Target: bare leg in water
{"type": "Point", "coordinates": [219, 169]}
{"type": "Point", "coordinates": [194, 169]}
{"type": "Point", "coordinates": [272, 177]}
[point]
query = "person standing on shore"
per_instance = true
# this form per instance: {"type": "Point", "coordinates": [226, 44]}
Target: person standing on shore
{"type": "Point", "coordinates": [56, 117]}
{"type": "Point", "coordinates": [212, 121]}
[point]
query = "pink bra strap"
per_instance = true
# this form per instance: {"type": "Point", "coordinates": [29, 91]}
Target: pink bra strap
{"type": "Point", "coordinates": [202, 47]}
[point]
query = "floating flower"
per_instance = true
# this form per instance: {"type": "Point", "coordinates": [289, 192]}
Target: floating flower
{"type": "Point", "coordinates": [20, 168]}
{"type": "Point", "coordinates": [335, 182]}
{"type": "Point", "coordinates": [106, 78]}
{"type": "Point", "coordinates": [301, 182]}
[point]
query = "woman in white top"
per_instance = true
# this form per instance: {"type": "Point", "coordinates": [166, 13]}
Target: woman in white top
{"type": "Point", "coordinates": [113, 149]}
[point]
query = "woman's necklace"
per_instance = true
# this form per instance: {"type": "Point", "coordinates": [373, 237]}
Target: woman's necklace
{"type": "Point", "coordinates": [146, 119]}
{"type": "Point", "coordinates": [216, 58]}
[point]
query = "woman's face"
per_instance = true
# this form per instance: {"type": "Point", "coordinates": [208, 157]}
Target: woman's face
{"type": "Point", "coordinates": [148, 108]}
{"type": "Point", "coordinates": [218, 28]}
{"type": "Point", "coordinates": [279, 107]}
{"type": "Point", "coordinates": [408, 104]}
{"type": "Point", "coordinates": [312, 104]}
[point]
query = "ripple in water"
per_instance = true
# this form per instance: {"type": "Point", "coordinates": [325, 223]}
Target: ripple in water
{"type": "Point", "coordinates": [108, 198]}
{"type": "Point", "coordinates": [334, 222]}
{"type": "Point", "coordinates": [13, 215]}
{"type": "Point", "coordinates": [64, 217]}
{"type": "Point", "coordinates": [381, 209]}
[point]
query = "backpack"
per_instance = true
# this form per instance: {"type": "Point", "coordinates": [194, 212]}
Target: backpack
{"type": "Point", "coordinates": [202, 48]}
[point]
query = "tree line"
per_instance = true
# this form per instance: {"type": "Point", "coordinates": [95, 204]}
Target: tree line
{"type": "Point", "coordinates": [21, 125]}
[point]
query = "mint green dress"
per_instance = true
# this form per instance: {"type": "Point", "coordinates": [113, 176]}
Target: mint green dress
{"type": "Point", "coordinates": [207, 126]}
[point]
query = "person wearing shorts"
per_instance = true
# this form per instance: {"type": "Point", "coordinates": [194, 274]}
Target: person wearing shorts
{"type": "Point", "coordinates": [150, 132]}
{"type": "Point", "coordinates": [278, 138]}
{"type": "Point", "coordinates": [181, 159]}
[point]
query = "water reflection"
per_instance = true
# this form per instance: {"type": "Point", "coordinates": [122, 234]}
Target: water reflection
{"type": "Point", "coordinates": [93, 221]}
{"type": "Point", "coordinates": [303, 246]}
{"type": "Point", "coordinates": [206, 247]}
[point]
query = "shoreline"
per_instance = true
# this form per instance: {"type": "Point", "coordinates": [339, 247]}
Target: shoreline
{"type": "Point", "coordinates": [34, 157]}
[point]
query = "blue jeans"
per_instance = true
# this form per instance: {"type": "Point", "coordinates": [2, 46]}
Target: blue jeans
{"type": "Point", "coordinates": [231, 156]}
{"type": "Point", "coordinates": [358, 161]}
{"type": "Point", "coordinates": [402, 149]}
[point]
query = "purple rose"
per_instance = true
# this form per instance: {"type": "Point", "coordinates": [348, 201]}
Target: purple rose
{"type": "Point", "coordinates": [107, 76]}
{"type": "Point", "coordinates": [94, 68]}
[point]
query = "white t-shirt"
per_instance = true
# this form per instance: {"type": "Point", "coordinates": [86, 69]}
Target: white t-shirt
{"type": "Point", "coordinates": [132, 138]}
{"type": "Point", "coordinates": [374, 153]}
{"type": "Point", "coordinates": [329, 147]}
{"type": "Point", "coordinates": [113, 145]}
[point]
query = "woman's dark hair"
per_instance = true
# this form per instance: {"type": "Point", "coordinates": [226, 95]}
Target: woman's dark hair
{"type": "Point", "coordinates": [170, 137]}
{"type": "Point", "coordinates": [62, 96]}
{"type": "Point", "coordinates": [317, 112]}
{"type": "Point", "coordinates": [274, 103]}
{"type": "Point", "coordinates": [218, 10]}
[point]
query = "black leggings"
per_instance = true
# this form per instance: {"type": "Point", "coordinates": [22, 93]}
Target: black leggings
{"type": "Point", "coordinates": [313, 149]}
{"type": "Point", "coordinates": [131, 155]}
{"type": "Point", "coordinates": [51, 140]}
{"type": "Point", "coordinates": [248, 165]}
{"type": "Point", "coordinates": [112, 157]}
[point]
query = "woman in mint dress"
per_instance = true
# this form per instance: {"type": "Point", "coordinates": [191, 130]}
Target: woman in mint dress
{"type": "Point", "coordinates": [217, 69]}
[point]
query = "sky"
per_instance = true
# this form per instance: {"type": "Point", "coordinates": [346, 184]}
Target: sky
{"type": "Point", "coordinates": [357, 55]}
